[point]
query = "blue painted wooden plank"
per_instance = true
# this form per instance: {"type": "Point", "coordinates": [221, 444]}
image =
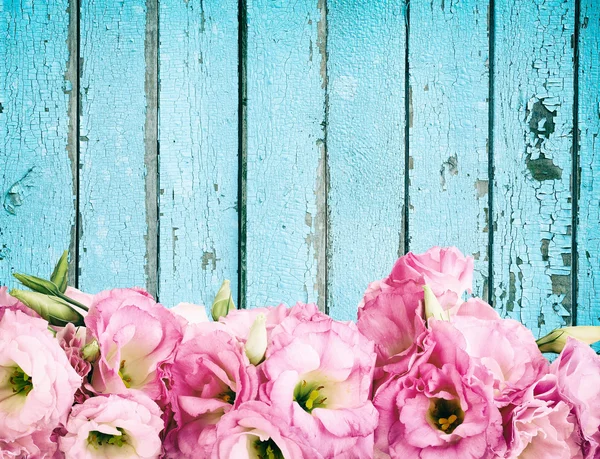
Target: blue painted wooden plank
{"type": "Point", "coordinates": [114, 229]}
{"type": "Point", "coordinates": [285, 168]}
{"type": "Point", "coordinates": [198, 149]}
{"type": "Point", "coordinates": [588, 229]}
{"type": "Point", "coordinates": [533, 123]}
{"type": "Point", "coordinates": [37, 211]}
{"type": "Point", "coordinates": [365, 146]}
{"type": "Point", "coordinates": [448, 164]}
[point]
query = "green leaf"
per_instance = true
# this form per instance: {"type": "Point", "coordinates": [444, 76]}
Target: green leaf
{"type": "Point", "coordinates": [61, 271]}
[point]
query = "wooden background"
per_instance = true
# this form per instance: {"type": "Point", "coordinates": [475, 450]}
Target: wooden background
{"type": "Point", "coordinates": [298, 148]}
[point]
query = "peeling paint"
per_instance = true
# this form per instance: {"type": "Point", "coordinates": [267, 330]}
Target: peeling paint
{"type": "Point", "coordinates": [18, 192]}
{"type": "Point", "coordinates": [543, 168]}
{"type": "Point", "coordinates": [449, 166]}
{"type": "Point", "coordinates": [482, 187]}
{"type": "Point", "coordinates": [209, 258]}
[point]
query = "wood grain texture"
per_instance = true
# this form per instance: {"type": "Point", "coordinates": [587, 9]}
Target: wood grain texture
{"type": "Point", "coordinates": [365, 146]}
{"type": "Point", "coordinates": [533, 122]}
{"type": "Point", "coordinates": [112, 145]}
{"type": "Point", "coordinates": [448, 126]}
{"type": "Point", "coordinates": [37, 211]}
{"type": "Point", "coordinates": [588, 229]}
{"type": "Point", "coordinates": [285, 167]}
{"type": "Point", "coordinates": [198, 149]}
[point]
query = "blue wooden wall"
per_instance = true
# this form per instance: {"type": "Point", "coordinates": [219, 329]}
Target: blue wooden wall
{"type": "Point", "coordinates": [298, 148]}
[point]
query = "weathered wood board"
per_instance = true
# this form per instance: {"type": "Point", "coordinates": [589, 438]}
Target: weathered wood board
{"type": "Point", "coordinates": [588, 215]}
{"type": "Point", "coordinates": [198, 149]}
{"type": "Point", "coordinates": [448, 125]}
{"type": "Point", "coordinates": [365, 157]}
{"type": "Point", "coordinates": [285, 175]}
{"type": "Point", "coordinates": [37, 155]}
{"type": "Point", "coordinates": [531, 154]}
{"type": "Point", "coordinates": [114, 229]}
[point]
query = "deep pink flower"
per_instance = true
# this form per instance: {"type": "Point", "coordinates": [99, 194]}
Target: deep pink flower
{"type": "Point", "coordinates": [114, 426]}
{"type": "Point", "coordinates": [256, 429]}
{"type": "Point", "coordinates": [211, 375]}
{"type": "Point", "coordinates": [37, 383]}
{"type": "Point", "coordinates": [318, 372]}
{"type": "Point", "coordinates": [136, 336]}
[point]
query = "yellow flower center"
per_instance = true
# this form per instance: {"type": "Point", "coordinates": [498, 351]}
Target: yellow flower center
{"type": "Point", "coordinates": [97, 439]}
{"type": "Point", "coordinates": [309, 396]}
{"type": "Point", "coordinates": [126, 379]}
{"type": "Point", "coordinates": [445, 415]}
{"type": "Point", "coordinates": [20, 381]}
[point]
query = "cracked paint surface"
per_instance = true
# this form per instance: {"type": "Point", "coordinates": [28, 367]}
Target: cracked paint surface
{"type": "Point", "coordinates": [198, 134]}
{"type": "Point", "coordinates": [112, 244]}
{"type": "Point", "coordinates": [285, 113]}
{"type": "Point", "coordinates": [366, 42]}
{"type": "Point", "coordinates": [533, 116]}
{"type": "Point", "coordinates": [449, 76]}
{"type": "Point", "coordinates": [37, 211]}
{"type": "Point", "coordinates": [588, 230]}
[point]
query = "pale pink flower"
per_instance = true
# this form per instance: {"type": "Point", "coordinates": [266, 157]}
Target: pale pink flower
{"type": "Point", "coordinates": [113, 426]}
{"type": "Point", "coordinates": [10, 302]}
{"type": "Point", "coordinates": [81, 297]}
{"type": "Point", "coordinates": [239, 321]}
{"type": "Point", "coordinates": [577, 371]}
{"type": "Point", "coordinates": [257, 430]}
{"type": "Point", "coordinates": [211, 375]}
{"type": "Point", "coordinates": [541, 425]}
{"type": "Point", "coordinates": [136, 337]}
{"type": "Point", "coordinates": [318, 372]}
{"type": "Point", "coordinates": [191, 313]}
{"type": "Point", "coordinates": [509, 352]}
{"type": "Point", "coordinates": [447, 272]}
{"type": "Point", "coordinates": [37, 383]}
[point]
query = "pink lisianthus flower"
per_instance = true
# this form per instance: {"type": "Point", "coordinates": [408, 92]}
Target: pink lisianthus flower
{"type": "Point", "coordinates": [318, 372]}
{"type": "Point", "coordinates": [211, 375]}
{"type": "Point", "coordinates": [239, 321]}
{"type": "Point", "coordinates": [136, 336]}
{"type": "Point", "coordinates": [37, 383]}
{"type": "Point", "coordinates": [113, 426]}
{"type": "Point", "coordinates": [84, 298]}
{"type": "Point", "coordinates": [257, 430]}
{"type": "Point", "coordinates": [447, 272]}
{"type": "Point", "coordinates": [72, 340]}
{"type": "Point", "coordinates": [190, 313]}
{"type": "Point", "coordinates": [542, 425]}
{"type": "Point", "coordinates": [38, 445]}
{"type": "Point", "coordinates": [9, 302]}
{"type": "Point", "coordinates": [577, 372]}
{"type": "Point", "coordinates": [509, 352]}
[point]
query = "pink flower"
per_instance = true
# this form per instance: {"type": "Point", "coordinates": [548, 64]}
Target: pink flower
{"type": "Point", "coordinates": [508, 350]}
{"type": "Point", "coordinates": [37, 382]}
{"type": "Point", "coordinates": [318, 372]}
{"type": "Point", "coordinates": [447, 271]}
{"type": "Point", "coordinates": [72, 340]}
{"type": "Point", "coordinates": [211, 376]}
{"type": "Point", "coordinates": [239, 321]}
{"type": "Point", "coordinates": [541, 426]}
{"type": "Point", "coordinates": [114, 426]}
{"type": "Point", "coordinates": [84, 298]}
{"type": "Point", "coordinates": [190, 313]}
{"type": "Point", "coordinates": [577, 371]}
{"type": "Point", "coordinates": [136, 337]}
{"type": "Point", "coordinates": [256, 429]}
{"type": "Point", "coordinates": [393, 319]}
{"type": "Point", "coordinates": [38, 445]}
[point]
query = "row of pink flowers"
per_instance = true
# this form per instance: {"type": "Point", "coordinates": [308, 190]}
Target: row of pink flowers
{"type": "Point", "coordinates": [140, 380]}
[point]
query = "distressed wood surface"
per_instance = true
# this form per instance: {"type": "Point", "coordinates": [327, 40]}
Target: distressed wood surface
{"type": "Point", "coordinates": [533, 122]}
{"type": "Point", "coordinates": [198, 149]}
{"type": "Point", "coordinates": [588, 229]}
{"type": "Point", "coordinates": [285, 153]}
{"type": "Point", "coordinates": [114, 229]}
{"type": "Point", "coordinates": [37, 214]}
{"type": "Point", "coordinates": [448, 126]}
{"type": "Point", "coordinates": [365, 156]}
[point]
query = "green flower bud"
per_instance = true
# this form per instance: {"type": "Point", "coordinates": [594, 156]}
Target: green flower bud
{"type": "Point", "coordinates": [223, 302]}
{"type": "Point", "coordinates": [556, 340]}
{"type": "Point", "coordinates": [433, 308]}
{"type": "Point", "coordinates": [256, 344]}
{"type": "Point", "coordinates": [60, 273]}
{"type": "Point", "coordinates": [91, 351]}
{"type": "Point", "coordinates": [37, 284]}
{"type": "Point", "coordinates": [55, 310]}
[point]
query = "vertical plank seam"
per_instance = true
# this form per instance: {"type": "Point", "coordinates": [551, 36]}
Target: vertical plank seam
{"type": "Point", "coordinates": [490, 223]}
{"type": "Point", "coordinates": [575, 168]}
{"type": "Point", "coordinates": [405, 243]}
{"type": "Point", "coordinates": [150, 141]}
{"type": "Point", "coordinates": [158, 150]}
{"type": "Point", "coordinates": [324, 265]}
{"type": "Point", "coordinates": [242, 149]}
{"type": "Point", "coordinates": [75, 16]}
